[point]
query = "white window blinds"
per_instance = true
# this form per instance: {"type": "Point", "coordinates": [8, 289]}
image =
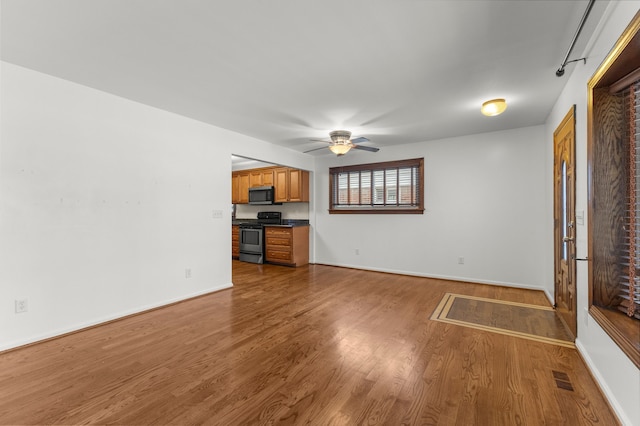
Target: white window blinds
{"type": "Point", "coordinates": [393, 186]}
{"type": "Point", "coordinates": [388, 187]}
{"type": "Point", "coordinates": [629, 285]}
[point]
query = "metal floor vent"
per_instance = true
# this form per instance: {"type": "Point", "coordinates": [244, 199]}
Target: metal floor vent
{"type": "Point", "coordinates": [562, 380]}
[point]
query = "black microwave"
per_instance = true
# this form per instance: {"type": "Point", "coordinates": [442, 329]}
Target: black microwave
{"type": "Point", "coordinates": [261, 195]}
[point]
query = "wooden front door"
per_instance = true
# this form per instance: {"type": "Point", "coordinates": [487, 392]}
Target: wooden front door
{"type": "Point", "coordinates": [564, 220]}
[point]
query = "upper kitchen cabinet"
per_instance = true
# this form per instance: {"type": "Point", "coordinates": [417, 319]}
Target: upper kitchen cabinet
{"type": "Point", "coordinates": [291, 185]}
{"type": "Point", "coordinates": [240, 187]}
{"type": "Point", "coordinates": [235, 188]}
{"type": "Point", "coordinates": [260, 177]}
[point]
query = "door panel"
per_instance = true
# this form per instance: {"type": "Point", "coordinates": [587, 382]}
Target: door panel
{"type": "Point", "coordinates": [281, 183]}
{"type": "Point", "coordinates": [564, 221]}
{"type": "Point", "coordinates": [243, 188]}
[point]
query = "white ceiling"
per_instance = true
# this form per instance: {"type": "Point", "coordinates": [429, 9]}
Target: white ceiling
{"type": "Point", "coordinates": [285, 71]}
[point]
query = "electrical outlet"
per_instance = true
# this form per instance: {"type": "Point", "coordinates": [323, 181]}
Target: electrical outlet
{"type": "Point", "coordinates": [461, 261]}
{"type": "Point", "coordinates": [216, 214]}
{"type": "Point", "coordinates": [187, 273]}
{"type": "Point", "coordinates": [357, 252]}
{"type": "Point", "coordinates": [22, 305]}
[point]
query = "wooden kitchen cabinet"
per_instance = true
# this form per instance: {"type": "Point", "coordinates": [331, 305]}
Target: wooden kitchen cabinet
{"type": "Point", "coordinates": [241, 181]}
{"type": "Point", "coordinates": [287, 245]}
{"type": "Point", "coordinates": [255, 178]}
{"type": "Point", "coordinates": [235, 241]}
{"type": "Point", "coordinates": [291, 185]}
{"type": "Point", "coordinates": [235, 188]}
{"type": "Point", "coordinates": [280, 182]}
{"type": "Point", "coordinates": [260, 177]}
{"type": "Point", "coordinates": [240, 187]}
{"type": "Point", "coordinates": [298, 185]}
{"type": "Point", "coordinates": [267, 177]}
{"type": "Point", "coordinates": [243, 197]}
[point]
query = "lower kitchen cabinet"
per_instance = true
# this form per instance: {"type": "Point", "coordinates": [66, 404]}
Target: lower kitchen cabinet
{"type": "Point", "coordinates": [235, 241]}
{"type": "Point", "coordinates": [287, 245]}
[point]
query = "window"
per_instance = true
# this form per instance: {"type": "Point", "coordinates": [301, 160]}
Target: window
{"type": "Point", "coordinates": [390, 187]}
{"type": "Point", "coordinates": [628, 291]}
{"type": "Point", "coordinates": [614, 200]}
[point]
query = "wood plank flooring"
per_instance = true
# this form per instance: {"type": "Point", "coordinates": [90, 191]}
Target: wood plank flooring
{"type": "Point", "coordinates": [313, 345]}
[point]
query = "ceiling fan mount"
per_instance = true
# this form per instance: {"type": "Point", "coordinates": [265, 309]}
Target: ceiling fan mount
{"type": "Point", "coordinates": [341, 143]}
{"type": "Point", "coordinates": [340, 136]}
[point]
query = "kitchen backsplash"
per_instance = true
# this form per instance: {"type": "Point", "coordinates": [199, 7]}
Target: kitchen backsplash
{"type": "Point", "coordinates": [288, 210]}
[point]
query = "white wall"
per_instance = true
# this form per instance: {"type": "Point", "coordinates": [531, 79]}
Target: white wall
{"type": "Point", "coordinates": [105, 202]}
{"type": "Point", "coordinates": [619, 378]}
{"type": "Point", "coordinates": [484, 202]}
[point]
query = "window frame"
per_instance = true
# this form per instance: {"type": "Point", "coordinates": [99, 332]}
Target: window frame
{"type": "Point", "coordinates": [623, 330]}
{"type": "Point", "coordinates": [377, 208]}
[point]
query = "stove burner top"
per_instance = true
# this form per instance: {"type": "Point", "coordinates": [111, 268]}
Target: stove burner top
{"type": "Point", "coordinates": [264, 218]}
{"type": "Point", "coordinates": [270, 218]}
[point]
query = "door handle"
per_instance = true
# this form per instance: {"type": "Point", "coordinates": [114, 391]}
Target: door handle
{"type": "Point", "coordinates": [567, 239]}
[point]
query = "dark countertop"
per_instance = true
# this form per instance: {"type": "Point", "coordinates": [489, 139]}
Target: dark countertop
{"type": "Point", "coordinates": [292, 223]}
{"type": "Point", "coordinates": [239, 221]}
{"type": "Point", "coordinates": [285, 222]}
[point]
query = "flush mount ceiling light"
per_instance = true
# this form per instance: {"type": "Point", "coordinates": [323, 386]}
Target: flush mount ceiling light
{"type": "Point", "coordinates": [493, 107]}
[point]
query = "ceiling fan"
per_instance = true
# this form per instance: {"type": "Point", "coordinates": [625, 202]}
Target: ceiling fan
{"type": "Point", "coordinates": [341, 143]}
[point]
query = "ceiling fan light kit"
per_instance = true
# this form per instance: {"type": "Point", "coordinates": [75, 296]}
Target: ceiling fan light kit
{"type": "Point", "coordinates": [340, 149]}
{"type": "Point", "coordinates": [494, 107]}
{"type": "Point", "coordinates": [341, 143]}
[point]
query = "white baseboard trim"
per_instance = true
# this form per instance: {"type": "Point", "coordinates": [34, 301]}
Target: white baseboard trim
{"type": "Point", "coordinates": [617, 408]}
{"type": "Point", "coordinates": [62, 331]}
{"type": "Point", "coordinates": [435, 276]}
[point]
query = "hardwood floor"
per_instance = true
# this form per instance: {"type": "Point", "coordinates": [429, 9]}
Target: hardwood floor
{"type": "Point", "coordinates": [313, 345]}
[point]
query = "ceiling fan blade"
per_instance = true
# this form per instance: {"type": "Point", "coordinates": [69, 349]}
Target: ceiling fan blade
{"type": "Point", "coordinates": [315, 149]}
{"type": "Point", "coordinates": [319, 140]}
{"type": "Point", "coordinates": [360, 139]}
{"type": "Point", "coordinates": [366, 148]}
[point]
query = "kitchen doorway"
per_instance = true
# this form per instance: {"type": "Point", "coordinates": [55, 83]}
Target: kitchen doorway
{"type": "Point", "coordinates": [264, 195]}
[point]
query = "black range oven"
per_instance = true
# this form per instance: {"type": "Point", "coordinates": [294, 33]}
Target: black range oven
{"type": "Point", "coordinates": [251, 236]}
